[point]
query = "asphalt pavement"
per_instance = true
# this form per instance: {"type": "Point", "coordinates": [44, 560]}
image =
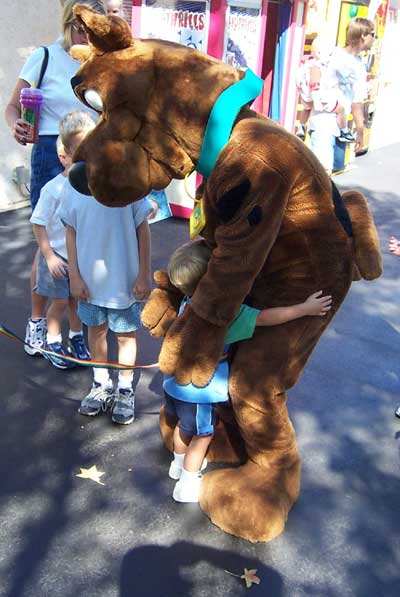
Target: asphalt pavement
{"type": "Point", "coordinates": [64, 536]}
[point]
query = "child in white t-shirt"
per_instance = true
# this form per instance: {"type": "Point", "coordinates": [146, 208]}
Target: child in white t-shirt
{"type": "Point", "coordinates": [52, 279]}
{"type": "Point", "coordinates": [109, 264]}
{"type": "Point", "coordinates": [320, 91]}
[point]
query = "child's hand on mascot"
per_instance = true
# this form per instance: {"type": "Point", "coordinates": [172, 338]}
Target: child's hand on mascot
{"type": "Point", "coordinates": [192, 349]}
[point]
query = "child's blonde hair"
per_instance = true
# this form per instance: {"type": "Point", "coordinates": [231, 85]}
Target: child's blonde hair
{"type": "Point", "coordinates": [60, 146]}
{"type": "Point", "coordinates": [73, 123]}
{"type": "Point", "coordinates": [187, 266]}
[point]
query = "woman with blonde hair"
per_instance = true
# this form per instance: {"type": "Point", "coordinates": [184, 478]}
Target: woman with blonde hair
{"type": "Point", "coordinates": [59, 100]}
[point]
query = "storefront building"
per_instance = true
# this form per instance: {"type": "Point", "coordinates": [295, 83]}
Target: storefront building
{"type": "Point", "coordinates": [268, 36]}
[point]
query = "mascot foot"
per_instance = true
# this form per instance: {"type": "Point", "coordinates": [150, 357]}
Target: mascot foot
{"type": "Point", "coordinates": [251, 502]}
{"type": "Point", "coordinates": [227, 445]}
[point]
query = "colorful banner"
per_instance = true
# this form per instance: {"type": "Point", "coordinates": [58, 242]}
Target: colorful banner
{"type": "Point", "coordinates": [242, 36]}
{"type": "Point", "coordinates": [179, 21]}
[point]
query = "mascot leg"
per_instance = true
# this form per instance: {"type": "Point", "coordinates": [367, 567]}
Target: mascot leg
{"type": "Point", "coordinates": [253, 500]}
{"type": "Point", "coordinates": [167, 426]}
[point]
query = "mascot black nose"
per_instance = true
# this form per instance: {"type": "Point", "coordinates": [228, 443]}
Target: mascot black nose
{"type": "Point", "coordinates": [78, 179]}
{"type": "Point", "coordinates": [75, 81]}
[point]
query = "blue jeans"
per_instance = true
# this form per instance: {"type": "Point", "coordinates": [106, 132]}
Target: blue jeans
{"type": "Point", "coordinates": [323, 145]}
{"type": "Point", "coordinates": [45, 165]}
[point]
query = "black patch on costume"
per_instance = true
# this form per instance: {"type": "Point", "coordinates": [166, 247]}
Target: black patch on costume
{"type": "Point", "coordinates": [341, 210]}
{"type": "Point", "coordinates": [230, 203]}
{"type": "Point", "coordinates": [255, 216]}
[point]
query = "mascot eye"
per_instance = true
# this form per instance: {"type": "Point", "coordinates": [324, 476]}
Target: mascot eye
{"type": "Point", "coordinates": [94, 100]}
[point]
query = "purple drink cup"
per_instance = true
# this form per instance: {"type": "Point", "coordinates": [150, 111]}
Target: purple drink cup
{"type": "Point", "coordinates": [31, 103]}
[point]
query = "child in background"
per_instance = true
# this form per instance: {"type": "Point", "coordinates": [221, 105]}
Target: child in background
{"type": "Point", "coordinates": [52, 278]}
{"type": "Point", "coordinates": [319, 90]}
{"type": "Point", "coordinates": [195, 406]}
{"type": "Point", "coordinates": [114, 7]}
{"type": "Point", "coordinates": [109, 265]}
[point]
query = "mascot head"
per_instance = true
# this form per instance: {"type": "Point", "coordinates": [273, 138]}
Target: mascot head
{"type": "Point", "coordinates": [154, 98]}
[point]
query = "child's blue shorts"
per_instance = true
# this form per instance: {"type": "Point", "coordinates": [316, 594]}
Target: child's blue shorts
{"type": "Point", "coordinates": [48, 285]}
{"type": "Point", "coordinates": [119, 321]}
{"type": "Point", "coordinates": [194, 419]}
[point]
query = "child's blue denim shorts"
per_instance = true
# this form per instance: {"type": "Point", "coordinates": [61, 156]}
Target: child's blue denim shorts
{"type": "Point", "coordinates": [47, 285]}
{"type": "Point", "coordinates": [118, 320]}
{"type": "Point", "coordinates": [45, 165]}
{"type": "Point", "coordinates": [194, 418]}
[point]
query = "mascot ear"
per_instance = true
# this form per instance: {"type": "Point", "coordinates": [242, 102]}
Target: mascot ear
{"type": "Point", "coordinates": [80, 53]}
{"type": "Point", "coordinates": [104, 33]}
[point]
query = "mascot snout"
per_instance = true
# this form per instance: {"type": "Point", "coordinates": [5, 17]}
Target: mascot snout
{"type": "Point", "coordinates": [78, 178]}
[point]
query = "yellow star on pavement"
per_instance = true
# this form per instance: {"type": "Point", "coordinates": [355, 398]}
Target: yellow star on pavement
{"type": "Point", "coordinates": [91, 473]}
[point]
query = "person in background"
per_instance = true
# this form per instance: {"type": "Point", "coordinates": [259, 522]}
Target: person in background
{"type": "Point", "coordinates": [320, 91]}
{"type": "Point", "coordinates": [109, 268]}
{"type": "Point", "coordinates": [394, 248]}
{"type": "Point", "coordinates": [52, 272]}
{"type": "Point", "coordinates": [195, 407]}
{"type": "Point", "coordinates": [347, 67]}
{"type": "Point", "coordinates": [114, 7]}
{"type": "Point", "coordinates": [59, 100]}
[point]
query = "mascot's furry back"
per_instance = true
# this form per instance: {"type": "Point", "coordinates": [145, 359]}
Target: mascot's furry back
{"type": "Point", "coordinates": [279, 231]}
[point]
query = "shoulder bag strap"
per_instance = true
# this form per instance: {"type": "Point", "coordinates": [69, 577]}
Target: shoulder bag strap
{"type": "Point", "coordinates": [44, 65]}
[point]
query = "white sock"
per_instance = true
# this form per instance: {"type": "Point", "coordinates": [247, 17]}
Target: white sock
{"type": "Point", "coordinates": [125, 381]}
{"type": "Point", "coordinates": [72, 334]}
{"type": "Point", "coordinates": [178, 459]}
{"type": "Point", "coordinates": [101, 376]}
{"type": "Point", "coordinates": [37, 319]}
{"type": "Point", "coordinates": [188, 477]}
{"type": "Point", "coordinates": [51, 339]}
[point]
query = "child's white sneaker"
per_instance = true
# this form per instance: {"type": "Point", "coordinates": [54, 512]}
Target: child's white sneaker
{"type": "Point", "coordinates": [187, 489]}
{"type": "Point", "coordinates": [176, 468]}
{"type": "Point", "coordinates": [35, 336]}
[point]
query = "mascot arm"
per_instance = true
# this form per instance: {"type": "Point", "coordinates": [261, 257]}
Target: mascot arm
{"type": "Point", "coordinates": [194, 343]}
{"type": "Point", "coordinates": [243, 242]}
{"type": "Point", "coordinates": [162, 307]}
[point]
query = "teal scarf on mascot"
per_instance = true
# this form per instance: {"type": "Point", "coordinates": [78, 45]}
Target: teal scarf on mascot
{"type": "Point", "coordinates": [222, 117]}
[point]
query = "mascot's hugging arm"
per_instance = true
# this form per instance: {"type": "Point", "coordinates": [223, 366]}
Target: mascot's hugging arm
{"type": "Point", "coordinates": [249, 216]}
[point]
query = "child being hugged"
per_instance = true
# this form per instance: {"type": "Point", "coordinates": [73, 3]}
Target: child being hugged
{"type": "Point", "coordinates": [52, 278]}
{"type": "Point", "coordinates": [195, 407]}
{"type": "Point", "coordinates": [109, 264]}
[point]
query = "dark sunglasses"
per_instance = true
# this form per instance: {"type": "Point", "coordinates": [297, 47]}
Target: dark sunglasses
{"type": "Point", "coordinates": [374, 35]}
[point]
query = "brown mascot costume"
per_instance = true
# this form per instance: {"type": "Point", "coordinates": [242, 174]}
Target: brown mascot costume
{"type": "Point", "coordinates": [279, 231]}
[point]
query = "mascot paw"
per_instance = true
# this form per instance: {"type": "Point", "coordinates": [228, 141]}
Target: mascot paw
{"type": "Point", "coordinates": [192, 349]}
{"type": "Point", "coordinates": [250, 502]}
{"type": "Point", "coordinates": [162, 307]}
